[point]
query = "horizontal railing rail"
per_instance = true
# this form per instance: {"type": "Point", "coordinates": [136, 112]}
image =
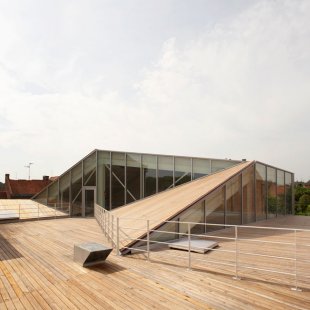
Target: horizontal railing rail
{"type": "Point", "coordinates": [32, 211]}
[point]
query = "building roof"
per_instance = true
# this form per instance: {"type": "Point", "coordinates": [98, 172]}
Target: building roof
{"type": "Point", "coordinates": [166, 205]}
{"type": "Point", "coordinates": [24, 188]}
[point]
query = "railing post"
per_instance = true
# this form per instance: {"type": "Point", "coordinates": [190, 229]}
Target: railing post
{"type": "Point", "coordinates": [189, 246]}
{"type": "Point", "coordinates": [112, 232]}
{"type": "Point", "coordinates": [105, 223]}
{"type": "Point", "coordinates": [295, 288]}
{"type": "Point", "coordinates": [102, 216]}
{"type": "Point", "coordinates": [109, 224]}
{"type": "Point", "coordinates": [55, 207]}
{"type": "Point", "coordinates": [148, 239]}
{"type": "Point", "coordinates": [117, 236]}
{"type": "Point", "coordinates": [236, 277]}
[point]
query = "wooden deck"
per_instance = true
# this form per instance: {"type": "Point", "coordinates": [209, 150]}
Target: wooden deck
{"type": "Point", "coordinates": [37, 272]}
{"type": "Point", "coordinates": [28, 209]}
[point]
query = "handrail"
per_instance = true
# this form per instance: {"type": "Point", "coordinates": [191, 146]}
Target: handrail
{"type": "Point", "coordinates": [118, 232]}
{"type": "Point", "coordinates": [31, 211]}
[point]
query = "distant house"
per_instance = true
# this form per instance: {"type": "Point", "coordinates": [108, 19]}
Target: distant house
{"type": "Point", "coordinates": [23, 189]}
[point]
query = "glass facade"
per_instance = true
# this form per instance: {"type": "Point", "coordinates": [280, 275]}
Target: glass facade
{"type": "Point", "coordinates": [272, 192]}
{"type": "Point", "coordinates": [280, 193]}
{"type": "Point", "coordinates": [289, 180]}
{"type": "Point", "coordinates": [165, 172]}
{"type": "Point", "coordinates": [260, 191]}
{"type": "Point", "coordinates": [182, 170]}
{"type": "Point", "coordinates": [215, 209]}
{"type": "Point", "coordinates": [195, 214]}
{"type": "Point", "coordinates": [133, 177]}
{"type": "Point", "coordinates": [248, 205]}
{"type": "Point", "coordinates": [240, 200]}
{"type": "Point", "coordinates": [149, 175]}
{"type": "Point", "coordinates": [118, 178]}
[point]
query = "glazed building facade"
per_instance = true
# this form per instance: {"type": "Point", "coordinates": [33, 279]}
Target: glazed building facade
{"type": "Point", "coordinates": [113, 179]}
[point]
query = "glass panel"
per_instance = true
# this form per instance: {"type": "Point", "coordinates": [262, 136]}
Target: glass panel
{"type": "Point", "coordinates": [103, 186]}
{"type": "Point", "coordinates": [165, 172]}
{"type": "Point", "coordinates": [149, 174]}
{"type": "Point", "coordinates": [280, 193]}
{"type": "Point", "coordinates": [183, 170]}
{"type": "Point", "coordinates": [248, 195]}
{"type": "Point", "coordinates": [195, 214]}
{"type": "Point", "coordinates": [217, 165]}
{"type": "Point", "coordinates": [201, 167]}
{"type": "Point", "coordinates": [52, 198]}
{"type": "Point", "coordinates": [133, 175]}
{"type": "Point", "coordinates": [288, 192]}
{"type": "Point", "coordinates": [76, 190]}
{"type": "Point", "coordinates": [215, 209]}
{"type": "Point", "coordinates": [260, 191]}
{"type": "Point", "coordinates": [89, 166]}
{"type": "Point", "coordinates": [64, 191]}
{"type": "Point", "coordinates": [233, 204]}
{"type": "Point", "coordinates": [118, 179]}
{"type": "Point", "coordinates": [89, 202]}
{"type": "Point", "coordinates": [272, 192]}
{"type": "Point", "coordinates": [42, 197]}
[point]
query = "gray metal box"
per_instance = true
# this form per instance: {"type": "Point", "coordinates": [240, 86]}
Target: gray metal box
{"type": "Point", "coordinates": [89, 254]}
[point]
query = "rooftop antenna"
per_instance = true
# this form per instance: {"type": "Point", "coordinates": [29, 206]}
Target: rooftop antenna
{"type": "Point", "coordinates": [28, 166]}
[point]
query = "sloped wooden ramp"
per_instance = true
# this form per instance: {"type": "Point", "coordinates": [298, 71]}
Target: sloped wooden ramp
{"type": "Point", "coordinates": [168, 204]}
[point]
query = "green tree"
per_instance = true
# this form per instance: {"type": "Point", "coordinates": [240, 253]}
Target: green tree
{"type": "Point", "coordinates": [300, 191]}
{"type": "Point", "coordinates": [304, 200]}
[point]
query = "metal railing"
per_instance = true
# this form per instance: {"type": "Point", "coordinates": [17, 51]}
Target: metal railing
{"type": "Point", "coordinates": [32, 211]}
{"type": "Point", "coordinates": [245, 251]}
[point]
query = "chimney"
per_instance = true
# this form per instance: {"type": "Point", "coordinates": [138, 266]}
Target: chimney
{"type": "Point", "coordinates": [7, 176]}
{"type": "Point", "coordinates": [46, 178]}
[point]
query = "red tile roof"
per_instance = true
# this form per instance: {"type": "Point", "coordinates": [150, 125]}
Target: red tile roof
{"type": "Point", "coordinates": [21, 187]}
{"type": "Point", "coordinates": [24, 188]}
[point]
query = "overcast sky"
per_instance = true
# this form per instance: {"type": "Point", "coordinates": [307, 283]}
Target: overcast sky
{"type": "Point", "coordinates": [222, 79]}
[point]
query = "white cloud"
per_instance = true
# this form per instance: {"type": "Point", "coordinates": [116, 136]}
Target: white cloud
{"type": "Point", "coordinates": [238, 89]}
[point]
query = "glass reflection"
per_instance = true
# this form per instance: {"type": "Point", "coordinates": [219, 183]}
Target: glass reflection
{"type": "Point", "coordinates": [118, 179]}
{"type": "Point", "coordinates": [272, 192]}
{"type": "Point", "coordinates": [76, 190]}
{"type": "Point", "coordinates": [64, 192]}
{"type": "Point", "coordinates": [133, 177]}
{"type": "Point", "coordinates": [201, 167]}
{"type": "Point", "coordinates": [248, 195]}
{"type": "Point", "coordinates": [103, 186]}
{"type": "Point", "coordinates": [195, 214]}
{"type": "Point", "coordinates": [280, 193]}
{"type": "Point", "coordinates": [215, 209]}
{"type": "Point", "coordinates": [288, 192]}
{"type": "Point", "coordinates": [89, 167]}
{"type": "Point", "coordinates": [183, 170]}
{"type": "Point", "coordinates": [233, 201]}
{"type": "Point", "coordinates": [149, 166]}
{"type": "Point", "coordinates": [165, 173]}
{"type": "Point", "coordinates": [260, 184]}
